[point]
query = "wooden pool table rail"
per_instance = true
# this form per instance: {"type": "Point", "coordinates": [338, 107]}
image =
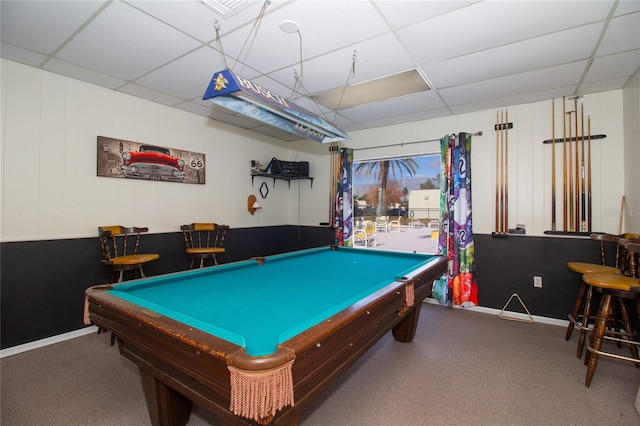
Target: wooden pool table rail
{"type": "Point", "coordinates": [181, 365]}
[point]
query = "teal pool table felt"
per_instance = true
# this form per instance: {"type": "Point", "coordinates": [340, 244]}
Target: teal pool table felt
{"type": "Point", "coordinates": [259, 306]}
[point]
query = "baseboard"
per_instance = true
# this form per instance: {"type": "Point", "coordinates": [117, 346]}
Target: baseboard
{"type": "Point", "coordinates": [14, 350]}
{"type": "Point", "coordinates": [514, 315]}
{"type": "Point", "coordinates": [88, 330]}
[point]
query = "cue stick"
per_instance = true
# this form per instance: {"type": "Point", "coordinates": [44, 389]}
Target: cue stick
{"type": "Point", "coordinates": [577, 171]}
{"type": "Point", "coordinates": [506, 171]}
{"type": "Point", "coordinates": [564, 165]}
{"type": "Point", "coordinates": [589, 223]}
{"type": "Point", "coordinates": [570, 173]}
{"type": "Point", "coordinates": [583, 223]}
{"type": "Point", "coordinates": [553, 164]}
{"type": "Point", "coordinates": [332, 193]}
{"type": "Point", "coordinates": [331, 184]}
{"type": "Point", "coordinates": [501, 171]}
{"type": "Point", "coordinates": [497, 211]}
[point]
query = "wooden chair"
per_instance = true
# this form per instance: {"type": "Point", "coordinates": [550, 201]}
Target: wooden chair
{"type": "Point", "coordinates": [620, 288]}
{"type": "Point", "coordinates": [366, 234]}
{"type": "Point", "coordinates": [624, 259]}
{"type": "Point", "coordinates": [204, 241]}
{"type": "Point", "coordinates": [580, 316]}
{"type": "Point", "coordinates": [119, 246]}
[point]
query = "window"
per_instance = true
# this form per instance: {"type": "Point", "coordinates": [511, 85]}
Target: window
{"type": "Point", "coordinates": [406, 191]}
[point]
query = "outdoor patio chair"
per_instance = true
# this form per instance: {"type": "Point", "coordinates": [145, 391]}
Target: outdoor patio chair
{"type": "Point", "coordinates": [395, 225]}
{"type": "Point", "coordinates": [382, 223]}
{"type": "Point", "coordinates": [365, 235]}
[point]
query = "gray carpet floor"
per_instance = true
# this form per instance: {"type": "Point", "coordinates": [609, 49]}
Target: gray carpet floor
{"type": "Point", "coordinates": [463, 368]}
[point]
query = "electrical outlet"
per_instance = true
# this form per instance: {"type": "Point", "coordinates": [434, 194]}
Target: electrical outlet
{"type": "Point", "coordinates": [537, 281]}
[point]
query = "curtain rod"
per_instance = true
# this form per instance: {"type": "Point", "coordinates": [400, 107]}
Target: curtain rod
{"type": "Point", "coordinates": [401, 144]}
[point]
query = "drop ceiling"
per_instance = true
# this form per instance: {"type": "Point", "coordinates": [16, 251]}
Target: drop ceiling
{"type": "Point", "coordinates": [473, 55]}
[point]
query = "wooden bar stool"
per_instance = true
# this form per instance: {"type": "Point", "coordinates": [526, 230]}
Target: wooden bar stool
{"type": "Point", "coordinates": [627, 262]}
{"type": "Point", "coordinates": [204, 241]}
{"type": "Point", "coordinates": [119, 246]}
{"type": "Point", "coordinates": [620, 288]}
{"type": "Point", "coordinates": [581, 313]}
{"type": "Point", "coordinates": [581, 319]}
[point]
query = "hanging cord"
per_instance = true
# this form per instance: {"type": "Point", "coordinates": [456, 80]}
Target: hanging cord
{"type": "Point", "coordinates": [352, 72]}
{"type": "Point", "coordinates": [216, 25]}
{"type": "Point", "coordinates": [306, 93]}
{"type": "Point", "coordinates": [255, 24]}
{"type": "Point", "coordinates": [219, 40]}
{"type": "Point", "coordinates": [298, 78]}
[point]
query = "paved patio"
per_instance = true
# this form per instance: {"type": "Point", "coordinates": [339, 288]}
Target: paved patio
{"type": "Point", "coordinates": [407, 239]}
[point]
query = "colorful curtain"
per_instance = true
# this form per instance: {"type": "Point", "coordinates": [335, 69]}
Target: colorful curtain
{"type": "Point", "coordinates": [458, 287]}
{"type": "Point", "coordinates": [344, 199]}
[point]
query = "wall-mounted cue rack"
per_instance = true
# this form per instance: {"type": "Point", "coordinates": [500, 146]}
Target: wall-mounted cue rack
{"type": "Point", "coordinates": [576, 171]}
{"type": "Point", "coordinates": [502, 174]}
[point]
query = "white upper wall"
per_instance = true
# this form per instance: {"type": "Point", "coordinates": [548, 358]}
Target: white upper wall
{"type": "Point", "coordinates": [530, 161]}
{"type": "Point", "coordinates": [50, 189]}
{"type": "Point", "coordinates": [631, 212]}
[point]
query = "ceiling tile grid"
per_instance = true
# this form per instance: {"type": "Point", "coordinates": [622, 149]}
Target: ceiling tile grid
{"type": "Point", "coordinates": [474, 54]}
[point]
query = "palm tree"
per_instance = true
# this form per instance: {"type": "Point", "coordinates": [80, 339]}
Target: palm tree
{"type": "Point", "coordinates": [381, 169]}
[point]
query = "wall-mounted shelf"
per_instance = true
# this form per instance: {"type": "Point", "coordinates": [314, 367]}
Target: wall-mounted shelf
{"type": "Point", "coordinates": [280, 177]}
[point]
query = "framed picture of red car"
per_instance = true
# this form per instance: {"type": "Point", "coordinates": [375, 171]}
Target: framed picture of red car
{"type": "Point", "coordinates": [134, 160]}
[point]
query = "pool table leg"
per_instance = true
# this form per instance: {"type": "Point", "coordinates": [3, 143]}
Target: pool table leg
{"type": "Point", "coordinates": [405, 330]}
{"type": "Point", "coordinates": [166, 406]}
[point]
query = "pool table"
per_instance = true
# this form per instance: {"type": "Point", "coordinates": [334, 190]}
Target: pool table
{"type": "Point", "coordinates": [254, 341]}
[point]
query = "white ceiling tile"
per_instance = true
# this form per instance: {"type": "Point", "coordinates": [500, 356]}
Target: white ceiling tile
{"type": "Point", "coordinates": [324, 26]}
{"type": "Point", "coordinates": [187, 77]}
{"type": "Point", "coordinates": [126, 43]}
{"type": "Point", "coordinates": [423, 101]}
{"type": "Point", "coordinates": [529, 82]}
{"type": "Point", "coordinates": [403, 13]}
{"type": "Point", "coordinates": [611, 66]}
{"type": "Point", "coordinates": [489, 24]}
{"type": "Point", "coordinates": [23, 23]}
{"type": "Point", "coordinates": [623, 34]}
{"type": "Point", "coordinates": [151, 95]}
{"type": "Point", "coordinates": [311, 105]}
{"type": "Point", "coordinates": [478, 54]}
{"type": "Point", "coordinates": [416, 116]}
{"type": "Point", "coordinates": [190, 17]}
{"type": "Point", "coordinates": [249, 15]}
{"type": "Point", "coordinates": [627, 6]}
{"type": "Point", "coordinates": [376, 57]}
{"type": "Point", "coordinates": [603, 85]}
{"type": "Point", "coordinates": [528, 55]}
{"type": "Point", "coordinates": [515, 100]}
{"type": "Point", "coordinates": [80, 73]}
{"type": "Point", "coordinates": [24, 56]}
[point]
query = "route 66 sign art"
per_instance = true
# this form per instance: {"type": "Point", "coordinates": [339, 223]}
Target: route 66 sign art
{"type": "Point", "coordinates": [133, 160]}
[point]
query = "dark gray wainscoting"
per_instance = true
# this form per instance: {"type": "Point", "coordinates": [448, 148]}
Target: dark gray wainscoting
{"type": "Point", "coordinates": [43, 282]}
{"type": "Point", "coordinates": [507, 265]}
